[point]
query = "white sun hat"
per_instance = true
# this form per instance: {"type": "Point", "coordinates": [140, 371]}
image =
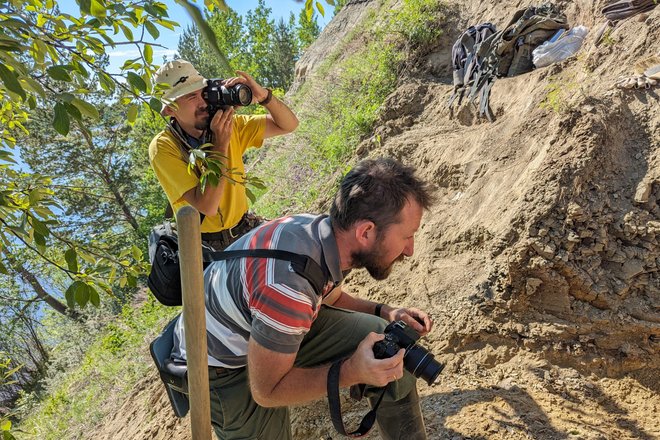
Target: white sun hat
{"type": "Point", "coordinates": [182, 77]}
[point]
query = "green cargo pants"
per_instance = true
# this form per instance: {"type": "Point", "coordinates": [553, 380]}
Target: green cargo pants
{"type": "Point", "coordinates": [335, 334]}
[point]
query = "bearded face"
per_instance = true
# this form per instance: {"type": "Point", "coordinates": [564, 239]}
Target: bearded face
{"type": "Point", "coordinates": [375, 260]}
{"type": "Point", "coordinates": [202, 118]}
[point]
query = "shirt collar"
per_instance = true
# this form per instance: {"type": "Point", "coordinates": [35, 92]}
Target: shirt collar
{"type": "Point", "coordinates": [330, 250]}
{"type": "Point", "coordinates": [190, 140]}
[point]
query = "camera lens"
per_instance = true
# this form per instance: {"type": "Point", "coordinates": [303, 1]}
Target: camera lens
{"type": "Point", "coordinates": [420, 363]}
{"type": "Point", "coordinates": [240, 94]}
{"type": "Point", "coordinates": [243, 94]}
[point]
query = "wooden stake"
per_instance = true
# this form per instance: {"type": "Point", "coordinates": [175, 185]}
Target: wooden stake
{"type": "Point", "coordinates": [194, 321]}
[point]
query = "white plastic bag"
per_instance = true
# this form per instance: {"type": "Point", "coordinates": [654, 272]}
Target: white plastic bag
{"type": "Point", "coordinates": [554, 51]}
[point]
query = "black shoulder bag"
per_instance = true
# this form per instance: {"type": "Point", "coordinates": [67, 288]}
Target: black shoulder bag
{"type": "Point", "coordinates": [164, 279]}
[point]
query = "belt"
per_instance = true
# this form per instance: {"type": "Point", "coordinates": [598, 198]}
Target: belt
{"type": "Point", "coordinates": [230, 233]}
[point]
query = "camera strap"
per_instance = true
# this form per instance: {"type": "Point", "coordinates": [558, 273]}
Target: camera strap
{"type": "Point", "coordinates": [335, 405]}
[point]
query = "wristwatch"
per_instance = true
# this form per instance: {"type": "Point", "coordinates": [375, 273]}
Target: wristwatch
{"type": "Point", "coordinates": [268, 98]}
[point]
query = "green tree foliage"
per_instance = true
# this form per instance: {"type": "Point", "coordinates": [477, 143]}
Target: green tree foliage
{"type": "Point", "coordinates": [283, 54]}
{"type": "Point", "coordinates": [95, 179]}
{"type": "Point", "coordinates": [227, 27]}
{"type": "Point", "coordinates": [308, 30]}
{"type": "Point", "coordinates": [7, 372]}
{"type": "Point", "coordinates": [252, 43]}
{"type": "Point", "coordinates": [151, 198]}
{"type": "Point", "coordinates": [338, 5]}
{"type": "Point", "coordinates": [69, 211]}
{"type": "Point", "coordinates": [259, 30]}
{"type": "Point", "coordinates": [58, 58]}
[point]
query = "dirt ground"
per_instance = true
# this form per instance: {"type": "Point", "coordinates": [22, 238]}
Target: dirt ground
{"type": "Point", "coordinates": [539, 261]}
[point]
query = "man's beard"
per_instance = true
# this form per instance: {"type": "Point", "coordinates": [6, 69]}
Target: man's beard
{"type": "Point", "coordinates": [202, 119]}
{"type": "Point", "coordinates": [372, 261]}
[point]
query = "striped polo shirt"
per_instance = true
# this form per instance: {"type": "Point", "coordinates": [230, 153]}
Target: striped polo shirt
{"type": "Point", "coordinates": [263, 298]}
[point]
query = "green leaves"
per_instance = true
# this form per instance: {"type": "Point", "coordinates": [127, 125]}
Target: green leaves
{"type": "Point", "coordinates": [132, 113]}
{"type": "Point", "coordinates": [136, 81]}
{"type": "Point", "coordinates": [152, 29]}
{"type": "Point", "coordinates": [97, 9]}
{"type": "Point", "coordinates": [71, 259]}
{"type": "Point", "coordinates": [85, 108]}
{"type": "Point", "coordinates": [81, 293]}
{"type": "Point", "coordinates": [149, 53]}
{"type": "Point", "coordinates": [52, 73]}
{"type": "Point", "coordinates": [5, 427]}
{"type": "Point", "coordinates": [319, 6]}
{"type": "Point", "coordinates": [155, 105]}
{"type": "Point", "coordinates": [10, 80]}
{"type": "Point", "coordinates": [61, 119]}
{"type": "Point", "coordinates": [309, 9]}
{"type": "Point", "coordinates": [106, 82]}
{"type": "Point", "coordinates": [206, 31]}
{"type": "Point", "coordinates": [59, 73]}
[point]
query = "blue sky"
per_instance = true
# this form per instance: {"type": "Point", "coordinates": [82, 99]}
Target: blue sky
{"type": "Point", "coordinates": [169, 39]}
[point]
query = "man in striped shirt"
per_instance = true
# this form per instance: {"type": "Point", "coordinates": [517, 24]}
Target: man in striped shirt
{"type": "Point", "coordinates": [266, 322]}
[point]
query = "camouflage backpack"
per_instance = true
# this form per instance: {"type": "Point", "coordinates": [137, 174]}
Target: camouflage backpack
{"type": "Point", "coordinates": [509, 52]}
{"type": "Point", "coordinates": [463, 58]}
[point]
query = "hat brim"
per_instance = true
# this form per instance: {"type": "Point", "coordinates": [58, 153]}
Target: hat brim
{"type": "Point", "coordinates": [175, 93]}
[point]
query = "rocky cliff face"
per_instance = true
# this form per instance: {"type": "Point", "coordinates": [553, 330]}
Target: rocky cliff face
{"type": "Point", "coordinates": [554, 205]}
{"type": "Point", "coordinates": [540, 259]}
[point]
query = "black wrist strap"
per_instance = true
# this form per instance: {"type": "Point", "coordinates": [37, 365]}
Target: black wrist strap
{"type": "Point", "coordinates": [267, 99]}
{"type": "Point", "coordinates": [335, 406]}
{"type": "Point", "coordinates": [379, 306]}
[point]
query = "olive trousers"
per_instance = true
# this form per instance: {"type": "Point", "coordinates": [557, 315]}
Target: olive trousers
{"type": "Point", "coordinates": [335, 334]}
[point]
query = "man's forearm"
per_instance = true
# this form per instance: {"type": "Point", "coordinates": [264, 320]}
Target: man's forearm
{"type": "Point", "coordinates": [207, 202]}
{"type": "Point", "coordinates": [282, 117]}
{"type": "Point", "coordinates": [349, 302]}
{"type": "Point", "coordinates": [289, 391]}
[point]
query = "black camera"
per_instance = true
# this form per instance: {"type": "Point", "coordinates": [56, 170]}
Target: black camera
{"type": "Point", "coordinates": [217, 96]}
{"type": "Point", "coordinates": [417, 360]}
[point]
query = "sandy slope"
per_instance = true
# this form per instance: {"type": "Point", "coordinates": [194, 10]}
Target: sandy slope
{"type": "Point", "coordinates": [538, 263]}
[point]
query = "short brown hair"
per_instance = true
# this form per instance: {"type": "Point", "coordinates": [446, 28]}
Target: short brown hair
{"type": "Point", "coordinates": [376, 190]}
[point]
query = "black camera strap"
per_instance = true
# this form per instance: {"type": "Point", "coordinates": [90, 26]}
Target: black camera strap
{"type": "Point", "coordinates": [335, 406]}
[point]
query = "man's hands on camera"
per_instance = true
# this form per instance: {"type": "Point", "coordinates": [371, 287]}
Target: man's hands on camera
{"type": "Point", "coordinates": [221, 126]}
{"type": "Point", "coordinates": [419, 320]}
{"type": "Point", "coordinates": [259, 93]}
{"type": "Point", "coordinates": [363, 367]}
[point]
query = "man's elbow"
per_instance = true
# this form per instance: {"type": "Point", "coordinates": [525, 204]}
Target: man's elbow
{"type": "Point", "coordinates": [294, 124]}
{"type": "Point", "coordinates": [290, 126]}
{"type": "Point", "coordinates": [206, 208]}
{"type": "Point", "coordinates": [263, 399]}
{"type": "Point", "coordinates": [208, 211]}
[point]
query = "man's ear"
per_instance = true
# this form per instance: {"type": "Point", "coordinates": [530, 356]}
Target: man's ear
{"type": "Point", "coordinates": [365, 233]}
{"type": "Point", "coordinates": [168, 110]}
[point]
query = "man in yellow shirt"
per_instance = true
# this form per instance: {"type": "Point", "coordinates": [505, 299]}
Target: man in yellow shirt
{"type": "Point", "coordinates": [225, 205]}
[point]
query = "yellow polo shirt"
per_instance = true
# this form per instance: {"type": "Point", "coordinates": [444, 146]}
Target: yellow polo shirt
{"type": "Point", "coordinates": [172, 171]}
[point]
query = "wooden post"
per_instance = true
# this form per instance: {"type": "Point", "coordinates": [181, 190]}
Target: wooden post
{"type": "Point", "coordinates": [194, 320]}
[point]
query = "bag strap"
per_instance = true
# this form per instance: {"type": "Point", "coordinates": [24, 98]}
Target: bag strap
{"type": "Point", "coordinates": [303, 265]}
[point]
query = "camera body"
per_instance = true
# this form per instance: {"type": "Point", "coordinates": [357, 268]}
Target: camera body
{"type": "Point", "coordinates": [417, 360]}
{"type": "Point", "coordinates": [217, 96]}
